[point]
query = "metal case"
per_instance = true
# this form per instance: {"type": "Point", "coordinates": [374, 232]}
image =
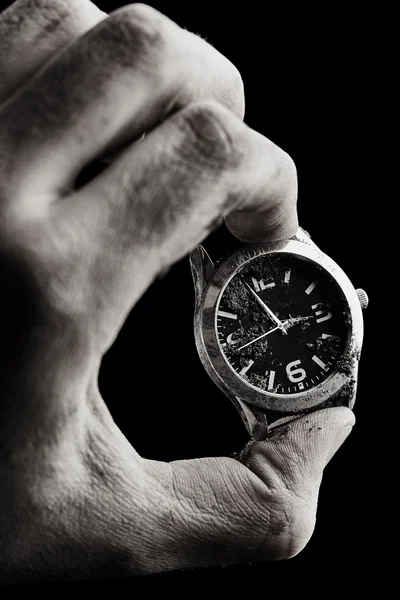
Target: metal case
{"type": "Point", "coordinates": [252, 403]}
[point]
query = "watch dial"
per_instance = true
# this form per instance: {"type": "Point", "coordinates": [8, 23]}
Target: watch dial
{"type": "Point", "coordinates": [282, 323]}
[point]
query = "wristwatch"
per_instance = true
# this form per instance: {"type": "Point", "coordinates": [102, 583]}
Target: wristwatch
{"type": "Point", "coordinates": [279, 328]}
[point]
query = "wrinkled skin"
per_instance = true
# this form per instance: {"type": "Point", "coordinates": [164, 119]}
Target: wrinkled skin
{"type": "Point", "coordinates": [76, 499]}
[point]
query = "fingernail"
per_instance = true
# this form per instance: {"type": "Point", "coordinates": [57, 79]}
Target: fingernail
{"type": "Point", "coordinates": [339, 439]}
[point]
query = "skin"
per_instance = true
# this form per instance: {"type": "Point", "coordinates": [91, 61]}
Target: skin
{"type": "Point", "coordinates": [76, 499]}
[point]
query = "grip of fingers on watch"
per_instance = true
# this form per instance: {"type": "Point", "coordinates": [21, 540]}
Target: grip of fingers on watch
{"type": "Point", "coordinates": [279, 329]}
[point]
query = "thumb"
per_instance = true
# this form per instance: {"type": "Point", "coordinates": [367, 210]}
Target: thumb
{"type": "Point", "coordinates": [300, 450]}
{"type": "Point", "coordinates": [262, 506]}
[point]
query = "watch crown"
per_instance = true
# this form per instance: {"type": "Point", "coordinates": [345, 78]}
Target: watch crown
{"type": "Point", "coordinates": [363, 298]}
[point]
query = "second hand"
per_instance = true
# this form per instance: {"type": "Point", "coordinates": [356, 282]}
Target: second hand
{"type": "Point", "coordinates": [259, 338]}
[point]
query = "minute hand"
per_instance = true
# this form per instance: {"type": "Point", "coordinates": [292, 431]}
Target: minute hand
{"type": "Point", "coordinates": [269, 312]}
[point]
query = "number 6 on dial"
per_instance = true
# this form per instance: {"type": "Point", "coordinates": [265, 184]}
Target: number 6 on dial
{"type": "Point", "coordinates": [295, 375]}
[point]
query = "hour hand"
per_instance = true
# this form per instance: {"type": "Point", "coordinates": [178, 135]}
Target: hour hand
{"type": "Point", "coordinates": [294, 321]}
{"type": "Point", "coordinates": [269, 312]}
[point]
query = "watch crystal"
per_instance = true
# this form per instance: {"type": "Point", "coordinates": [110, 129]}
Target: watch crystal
{"type": "Point", "coordinates": [282, 323]}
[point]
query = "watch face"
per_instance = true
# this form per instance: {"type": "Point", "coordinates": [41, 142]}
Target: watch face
{"type": "Point", "coordinates": [282, 323]}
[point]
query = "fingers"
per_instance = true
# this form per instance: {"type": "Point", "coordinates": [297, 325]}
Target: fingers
{"type": "Point", "coordinates": [269, 222]}
{"type": "Point", "coordinates": [32, 32]}
{"type": "Point", "coordinates": [118, 80]}
{"type": "Point", "coordinates": [54, 130]}
{"type": "Point", "coordinates": [162, 196]}
{"type": "Point", "coordinates": [228, 512]}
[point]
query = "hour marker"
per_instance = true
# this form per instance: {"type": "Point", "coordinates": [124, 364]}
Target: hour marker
{"type": "Point", "coordinates": [311, 286]}
{"type": "Point", "coordinates": [230, 339]}
{"type": "Point", "coordinates": [246, 368]}
{"type": "Point", "coordinates": [301, 386]}
{"type": "Point", "coordinates": [287, 276]}
{"type": "Point", "coordinates": [261, 285]}
{"type": "Point", "coordinates": [255, 284]}
{"type": "Point", "coordinates": [326, 336]}
{"type": "Point", "coordinates": [228, 315]}
{"type": "Point", "coordinates": [271, 380]}
{"type": "Point", "coordinates": [320, 363]}
{"type": "Point", "coordinates": [324, 315]}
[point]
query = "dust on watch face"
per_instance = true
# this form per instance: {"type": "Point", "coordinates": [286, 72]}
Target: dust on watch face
{"type": "Point", "coordinates": [282, 323]}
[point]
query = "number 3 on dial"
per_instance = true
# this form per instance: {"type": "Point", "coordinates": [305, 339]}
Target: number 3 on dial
{"type": "Point", "coordinates": [295, 375]}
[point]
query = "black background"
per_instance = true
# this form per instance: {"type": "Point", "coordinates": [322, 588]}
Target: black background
{"type": "Point", "coordinates": [309, 84]}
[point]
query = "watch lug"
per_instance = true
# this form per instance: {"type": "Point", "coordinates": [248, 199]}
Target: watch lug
{"type": "Point", "coordinates": [202, 269]}
{"type": "Point", "coordinates": [254, 420]}
{"type": "Point", "coordinates": [352, 398]}
{"type": "Point", "coordinates": [348, 393]}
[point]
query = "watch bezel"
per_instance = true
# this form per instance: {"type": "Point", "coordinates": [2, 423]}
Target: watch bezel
{"type": "Point", "coordinates": [222, 372]}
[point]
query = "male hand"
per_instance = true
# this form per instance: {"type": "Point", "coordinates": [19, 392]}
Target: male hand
{"type": "Point", "coordinates": [76, 500]}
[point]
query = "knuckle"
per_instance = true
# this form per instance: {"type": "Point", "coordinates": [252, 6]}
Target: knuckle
{"type": "Point", "coordinates": [62, 8]}
{"type": "Point", "coordinates": [291, 526]}
{"type": "Point", "coordinates": [212, 134]}
{"type": "Point", "coordinates": [241, 513]}
{"type": "Point", "coordinates": [291, 168]}
{"type": "Point", "coordinates": [140, 30]}
{"type": "Point", "coordinates": [55, 13]}
{"type": "Point", "coordinates": [50, 15]}
{"type": "Point", "coordinates": [46, 10]}
{"type": "Point", "coordinates": [234, 93]}
{"type": "Point", "coordinates": [286, 508]}
{"type": "Point", "coordinates": [83, 15]}
{"type": "Point", "coordinates": [288, 172]}
{"type": "Point", "coordinates": [223, 78]}
{"type": "Point", "coordinates": [286, 525]}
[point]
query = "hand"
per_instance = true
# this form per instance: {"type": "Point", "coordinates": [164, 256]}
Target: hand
{"type": "Point", "coordinates": [260, 337]}
{"type": "Point", "coordinates": [295, 321]}
{"type": "Point", "coordinates": [269, 312]}
{"type": "Point", "coordinates": [76, 500]}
